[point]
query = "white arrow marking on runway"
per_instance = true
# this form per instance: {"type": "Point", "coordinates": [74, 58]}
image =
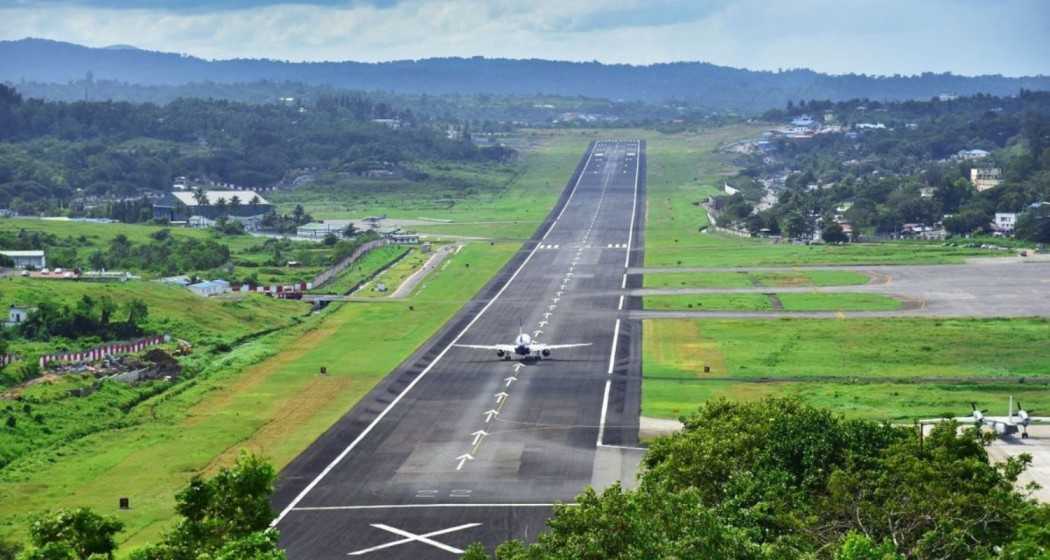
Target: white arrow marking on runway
{"type": "Point", "coordinates": [478, 435]}
{"type": "Point", "coordinates": [518, 366]}
{"type": "Point", "coordinates": [552, 307]}
{"type": "Point", "coordinates": [536, 333]}
{"type": "Point", "coordinates": [546, 315]}
{"type": "Point", "coordinates": [463, 459]}
{"type": "Point", "coordinates": [555, 300]}
{"type": "Point", "coordinates": [412, 537]}
{"type": "Point", "coordinates": [510, 380]}
{"type": "Point", "coordinates": [559, 293]}
{"type": "Point", "coordinates": [489, 414]}
{"type": "Point", "coordinates": [542, 324]}
{"type": "Point", "coordinates": [501, 396]}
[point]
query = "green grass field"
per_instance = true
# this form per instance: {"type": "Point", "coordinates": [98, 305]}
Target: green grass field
{"type": "Point", "coordinates": [935, 361]}
{"type": "Point", "coordinates": [495, 201]}
{"type": "Point", "coordinates": [761, 302]}
{"type": "Point", "coordinates": [786, 279]}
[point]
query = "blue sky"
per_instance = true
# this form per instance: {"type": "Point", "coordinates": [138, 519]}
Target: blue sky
{"type": "Point", "coordinates": [1010, 37]}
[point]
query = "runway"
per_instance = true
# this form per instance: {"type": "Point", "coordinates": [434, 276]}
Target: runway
{"type": "Point", "coordinates": [457, 446]}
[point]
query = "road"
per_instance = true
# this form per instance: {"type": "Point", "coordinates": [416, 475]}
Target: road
{"type": "Point", "coordinates": [457, 446]}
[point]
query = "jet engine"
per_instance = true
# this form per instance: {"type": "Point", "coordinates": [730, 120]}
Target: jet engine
{"type": "Point", "coordinates": [546, 353]}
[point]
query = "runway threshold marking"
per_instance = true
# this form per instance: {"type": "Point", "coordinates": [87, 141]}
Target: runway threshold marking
{"type": "Point", "coordinates": [414, 537]}
{"type": "Point", "coordinates": [379, 418]}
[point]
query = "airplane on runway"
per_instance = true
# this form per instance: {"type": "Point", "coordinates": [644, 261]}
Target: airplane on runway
{"type": "Point", "coordinates": [524, 348]}
{"type": "Point", "coordinates": [1003, 425]}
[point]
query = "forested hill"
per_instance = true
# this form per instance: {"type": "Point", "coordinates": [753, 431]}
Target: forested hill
{"type": "Point", "coordinates": [717, 87]}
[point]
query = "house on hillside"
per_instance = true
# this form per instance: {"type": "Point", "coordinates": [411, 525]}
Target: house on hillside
{"type": "Point", "coordinates": [202, 209]}
{"type": "Point", "coordinates": [984, 178]}
{"type": "Point", "coordinates": [17, 314]}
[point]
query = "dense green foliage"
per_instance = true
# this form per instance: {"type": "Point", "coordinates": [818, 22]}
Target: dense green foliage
{"type": "Point", "coordinates": [883, 172]}
{"type": "Point", "coordinates": [89, 318]}
{"type": "Point", "coordinates": [778, 480]}
{"type": "Point", "coordinates": [52, 153]}
{"type": "Point", "coordinates": [78, 534]}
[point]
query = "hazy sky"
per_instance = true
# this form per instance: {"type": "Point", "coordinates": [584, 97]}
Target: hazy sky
{"type": "Point", "coordinates": [1009, 37]}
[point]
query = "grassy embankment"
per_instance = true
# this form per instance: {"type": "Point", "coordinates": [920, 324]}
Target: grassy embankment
{"type": "Point", "coordinates": [833, 363]}
{"type": "Point", "coordinates": [265, 395]}
{"type": "Point", "coordinates": [363, 268]}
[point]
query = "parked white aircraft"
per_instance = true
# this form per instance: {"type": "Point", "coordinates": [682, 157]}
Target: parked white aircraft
{"type": "Point", "coordinates": [524, 348]}
{"type": "Point", "coordinates": [1003, 425]}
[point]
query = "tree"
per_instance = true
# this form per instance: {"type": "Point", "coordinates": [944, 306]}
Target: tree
{"type": "Point", "coordinates": [200, 197]}
{"type": "Point", "coordinates": [350, 230]}
{"type": "Point", "coordinates": [76, 534]}
{"type": "Point", "coordinates": [858, 546]}
{"type": "Point", "coordinates": [226, 517]}
{"type": "Point", "coordinates": [968, 221]}
{"type": "Point", "coordinates": [97, 260]}
{"type": "Point", "coordinates": [833, 233]}
{"type": "Point", "coordinates": [1034, 225]}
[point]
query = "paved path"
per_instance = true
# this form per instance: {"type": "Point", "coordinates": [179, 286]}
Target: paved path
{"type": "Point", "coordinates": [435, 260]}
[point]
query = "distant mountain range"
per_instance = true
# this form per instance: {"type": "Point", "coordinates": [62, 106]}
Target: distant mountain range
{"type": "Point", "coordinates": [709, 85]}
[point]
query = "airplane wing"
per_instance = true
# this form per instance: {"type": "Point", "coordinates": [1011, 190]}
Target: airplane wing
{"type": "Point", "coordinates": [542, 347]}
{"type": "Point", "coordinates": [503, 347]}
{"type": "Point", "coordinates": [1039, 419]}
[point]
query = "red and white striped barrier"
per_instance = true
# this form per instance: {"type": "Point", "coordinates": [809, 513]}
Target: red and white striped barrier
{"type": "Point", "coordinates": [108, 349]}
{"type": "Point", "coordinates": [274, 289]}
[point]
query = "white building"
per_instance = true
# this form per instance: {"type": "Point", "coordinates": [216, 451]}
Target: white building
{"type": "Point", "coordinates": [27, 259]}
{"type": "Point", "coordinates": [1004, 222]}
{"type": "Point", "coordinates": [16, 315]}
{"type": "Point", "coordinates": [984, 178]}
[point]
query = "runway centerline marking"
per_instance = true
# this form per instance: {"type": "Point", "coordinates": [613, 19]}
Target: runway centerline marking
{"type": "Point", "coordinates": [379, 418]}
{"type": "Point", "coordinates": [414, 537]}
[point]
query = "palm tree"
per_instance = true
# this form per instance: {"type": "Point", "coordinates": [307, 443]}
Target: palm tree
{"type": "Point", "coordinates": [200, 196]}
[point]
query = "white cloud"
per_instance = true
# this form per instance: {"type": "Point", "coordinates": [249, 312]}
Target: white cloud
{"type": "Point", "coordinates": [883, 37]}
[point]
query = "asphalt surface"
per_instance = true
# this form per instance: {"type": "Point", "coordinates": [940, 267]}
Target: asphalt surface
{"type": "Point", "coordinates": [457, 446]}
{"type": "Point", "coordinates": [1008, 287]}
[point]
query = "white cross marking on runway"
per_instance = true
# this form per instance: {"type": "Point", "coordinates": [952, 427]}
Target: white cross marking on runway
{"type": "Point", "coordinates": [413, 537]}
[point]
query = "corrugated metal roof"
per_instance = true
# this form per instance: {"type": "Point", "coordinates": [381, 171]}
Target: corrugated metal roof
{"type": "Point", "coordinates": [188, 198]}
